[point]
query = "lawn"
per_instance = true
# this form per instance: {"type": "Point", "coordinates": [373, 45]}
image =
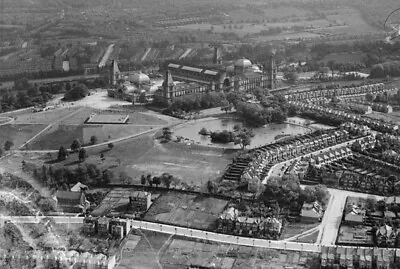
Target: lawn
{"type": "Point", "coordinates": [292, 229]}
{"type": "Point", "coordinates": [394, 116]}
{"type": "Point", "coordinates": [344, 57]}
{"type": "Point", "coordinates": [311, 238]}
{"type": "Point", "coordinates": [143, 155]}
{"type": "Point", "coordinates": [192, 164]}
{"type": "Point", "coordinates": [182, 252]}
{"type": "Point", "coordinates": [195, 211]}
{"type": "Point", "coordinates": [54, 140]}
{"type": "Point", "coordinates": [142, 250]}
{"type": "Point", "coordinates": [45, 117]}
{"type": "Point", "coordinates": [18, 133]}
{"type": "Point", "coordinates": [249, 28]}
{"type": "Point", "coordinates": [65, 134]}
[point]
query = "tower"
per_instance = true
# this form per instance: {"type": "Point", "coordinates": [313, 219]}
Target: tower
{"type": "Point", "coordinates": [168, 86]}
{"type": "Point", "coordinates": [217, 58]}
{"type": "Point", "coordinates": [270, 70]}
{"type": "Point", "coordinates": [113, 73]}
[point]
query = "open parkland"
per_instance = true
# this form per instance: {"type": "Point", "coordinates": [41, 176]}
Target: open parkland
{"type": "Point", "coordinates": [180, 227]}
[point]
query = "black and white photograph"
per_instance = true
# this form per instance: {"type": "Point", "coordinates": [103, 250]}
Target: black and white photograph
{"type": "Point", "coordinates": [199, 134]}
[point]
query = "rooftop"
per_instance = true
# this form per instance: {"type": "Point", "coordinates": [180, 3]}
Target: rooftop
{"type": "Point", "coordinates": [104, 118]}
{"type": "Point", "coordinates": [68, 195]}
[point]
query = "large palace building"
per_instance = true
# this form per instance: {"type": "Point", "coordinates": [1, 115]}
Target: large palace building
{"type": "Point", "coordinates": [180, 80]}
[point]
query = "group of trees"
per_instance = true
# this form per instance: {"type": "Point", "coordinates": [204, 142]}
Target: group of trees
{"type": "Point", "coordinates": [288, 193]}
{"type": "Point", "coordinates": [63, 177]}
{"type": "Point", "coordinates": [166, 179]}
{"type": "Point", "coordinates": [76, 146]}
{"type": "Point", "coordinates": [78, 92]}
{"type": "Point", "coordinates": [240, 136]}
{"type": "Point", "coordinates": [382, 70]}
{"type": "Point", "coordinates": [269, 110]}
{"type": "Point", "coordinates": [25, 94]}
{"type": "Point", "coordinates": [193, 103]}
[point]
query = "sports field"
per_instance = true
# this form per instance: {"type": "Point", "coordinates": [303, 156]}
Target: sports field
{"type": "Point", "coordinates": [194, 211]}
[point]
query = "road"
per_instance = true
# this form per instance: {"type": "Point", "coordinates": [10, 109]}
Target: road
{"type": "Point", "coordinates": [10, 84]}
{"type": "Point", "coordinates": [330, 223]}
{"type": "Point", "coordinates": [174, 230]}
{"type": "Point", "coordinates": [276, 170]}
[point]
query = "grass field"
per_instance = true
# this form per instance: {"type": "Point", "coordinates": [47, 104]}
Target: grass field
{"type": "Point", "coordinates": [292, 229]}
{"type": "Point", "coordinates": [73, 127]}
{"type": "Point", "coordinates": [18, 133]}
{"type": "Point", "coordinates": [182, 161]}
{"type": "Point", "coordinates": [143, 155]}
{"type": "Point", "coordinates": [250, 28]}
{"type": "Point", "coordinates": [58, 138]}
{"type": "Point", "coordinates": [137, 118]}
{"type": "Point", "coordinates": [239, 15]}
{"type": "Point", "coordinates": [66, 134]}
{"type": "Point", "coordinates": [189, 210]}
{"type": "Point", "coordinates": [45, 117]}
{"type": "Point", "coordinates": [352, 19]}
{"type": "Point", "coordinates": [394, 116]}
{"type": "Point", "coordinates": [142, 250]}
{"type": "Point", "coordinates": [344, 57]}
{"type": "Point", "coordinates": [311, 238]}
{"type": "Point", "coordinates": [181, 252]}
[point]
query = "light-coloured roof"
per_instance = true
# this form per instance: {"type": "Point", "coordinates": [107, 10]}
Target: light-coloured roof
{"type": "Point", "coordinates": [244, 63]}
{"type": "Point", "coordinates": [174, 65]}
{"type": "Point", "coordinates": [139, 78]}
{"type": "Point", "coordinates": [209, 72]}
{"type": "Point", "coordinates": [193, 69]}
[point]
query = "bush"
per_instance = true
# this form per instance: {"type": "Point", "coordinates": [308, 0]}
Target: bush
{"type": "Point", "coordinates": [78, 92]}
{"type": "Point", "coordinates": [222, 137]}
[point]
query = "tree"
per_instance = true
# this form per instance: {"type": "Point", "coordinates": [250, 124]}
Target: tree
{"type": "Point", "coordinates": [167, 179]}
{"type": "Point", "coordinates": [369, 97]}
{"type": "Point", "coordinates": [291, 76]}
{"type": "Point", "coordinates": [377, 71]}
{"type": "Point", "coordinates": [107, 176]}
{"type": "Point", "coordinates": [110, 145]}
{"type": "Point", "coordinates": [93, 139]}
{"type": "Point", "coordinates": [1, 152]}
{"type": "Point", "coordinates": [203, 131]}
{"type": "Point", "coordinates": [142, 98]}
{"type": "Point", "coordinates": [8, 145]}
{"type": "Point", "coordinates": [149, 180]}
{"type": "Point", "coordinates": [67, 87]}
{"type": "Point", "coordinates": [46, 205]}
{"type": "Point", "coordinates": [166, 133]}
{"type": "Point", "coordinates": [210, 186]}
{"type": "Point", "coordinates": [78, 92]}
{"type": "Point", "coordinates": [156, 181]}
{"type": "Point", "coordinates": [82, 154]}
{"type": "Point", "coordinates": [76, 145]}
{"type": "Point", "coordinates": [143, 180]}
{"type": "Point", "coordinates": [62, 154]}
{"type": "Point", "coordinates": [123, 177]}
{"type": "Point", "coordinates": [244, 138]}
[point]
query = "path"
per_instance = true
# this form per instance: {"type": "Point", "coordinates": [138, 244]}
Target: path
{"type": "Point", "coordinates": [51, 125]}
{"type": "Point", "coordinates": [331, 221]}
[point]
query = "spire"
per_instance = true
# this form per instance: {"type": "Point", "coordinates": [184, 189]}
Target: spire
{"type": "Point", "coordinates": [168, 81]}
{"type": "Point", "coordinates": [217, 59]}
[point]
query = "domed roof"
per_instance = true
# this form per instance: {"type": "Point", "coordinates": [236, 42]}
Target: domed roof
{"type": "Point", "coordinates": [230, 69]}
{"type": "Point", "coordinates": [243, 63]}
{"type": "Point", "coordinates": [139, 78]}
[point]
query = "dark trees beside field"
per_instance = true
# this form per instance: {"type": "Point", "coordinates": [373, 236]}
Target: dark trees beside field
{"type": "Point", "coordinates": [62, 154]}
